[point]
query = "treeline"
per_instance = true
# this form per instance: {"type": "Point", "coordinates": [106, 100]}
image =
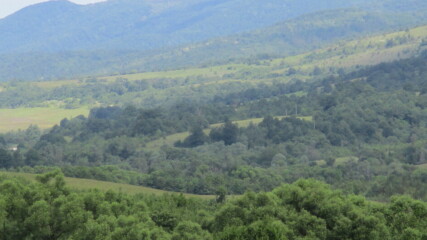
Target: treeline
{"type": "Point", "coordinates": [48, 209]}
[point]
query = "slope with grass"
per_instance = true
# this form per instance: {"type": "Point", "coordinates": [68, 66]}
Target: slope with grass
{"type": "Point", "coordinates": [87, 184]}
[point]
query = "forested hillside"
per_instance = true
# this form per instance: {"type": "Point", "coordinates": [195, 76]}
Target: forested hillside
{"type": "Point", "coordinates": [203, 84]}
{"type": "Point", "coordinates": [363, 132]}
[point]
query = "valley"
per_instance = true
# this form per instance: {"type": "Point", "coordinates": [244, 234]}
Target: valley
{"type": "Point", "coordinates": [214, 120]}
{"type": "Point", "coordinates": [208, 81]}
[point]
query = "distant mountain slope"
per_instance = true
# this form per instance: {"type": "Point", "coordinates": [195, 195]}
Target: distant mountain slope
{"type": "Point", "coordinates": [60, 39]}
{"type": "Point", "coordinates": [290, 37]}
{"type": "Point", "coordinates": [147, 24]}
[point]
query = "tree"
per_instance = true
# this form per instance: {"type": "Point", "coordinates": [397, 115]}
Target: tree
{"type": "Point", "coordinates": [221, 194]}
{"type": "Point", "coordinates": [228, 133]}
{"type": "Point", "coordinates": [196, 138]}
{"type": "Point", "coordinates": [6, 159]}
{"type": "Point", "coordinates": [187, 230]}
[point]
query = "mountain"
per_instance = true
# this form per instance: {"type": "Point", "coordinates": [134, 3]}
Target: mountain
{"type": "Point", "coordinates": [135, 24]}
{"type": "Point", "coordinates": [286, 38]}
{"type": "Point", "coordinates": [59, 39]}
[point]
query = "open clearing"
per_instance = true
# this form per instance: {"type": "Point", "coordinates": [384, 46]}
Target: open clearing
{"type": "Point", "coordinates": [87, 184]}
{"type": "Point", "coordinates": [22, 118]}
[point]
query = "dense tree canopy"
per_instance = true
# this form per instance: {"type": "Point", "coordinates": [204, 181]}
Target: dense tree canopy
{"type": "Point", "coordinates": [307, 209]}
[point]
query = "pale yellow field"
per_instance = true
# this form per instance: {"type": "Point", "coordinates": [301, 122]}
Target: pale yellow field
{"type": "Point", "coordinates": [21, 118]}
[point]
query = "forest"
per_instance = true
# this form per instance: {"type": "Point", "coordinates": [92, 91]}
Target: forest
{"type": "Point", "coordinates": [362, 132]}
{"type": "Point", "coordinates": [306, 209]}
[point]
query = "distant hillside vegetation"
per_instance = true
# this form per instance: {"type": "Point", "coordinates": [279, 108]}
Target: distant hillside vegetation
{"type": "Point", "coordinates": [135, 24]}
{"type": "Point", "coordinates": [62, 40]}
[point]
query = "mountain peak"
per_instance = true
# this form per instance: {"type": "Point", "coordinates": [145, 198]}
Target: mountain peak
{"type": "Point", "coordinates": [44, 8]}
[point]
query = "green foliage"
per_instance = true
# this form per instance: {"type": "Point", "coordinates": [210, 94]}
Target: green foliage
{"type": "Point", "coordinates": [306, 209]}
{"type": "Point", "coordinates": [372, 126]}
{"type": "Point", "coordinates": [197, 138]}
{"type": "Point", "coordinates": [227, 133]}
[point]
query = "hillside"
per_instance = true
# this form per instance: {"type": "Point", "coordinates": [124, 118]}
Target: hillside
{"type": "Point", "coordinates": [204, 83]}
{"type": "Point", "coordinates": [69, 98]}
{"type": "Point", "coordinates": [87, 184]}
{"type": "Point", "coordinates": [366, 136]}
{"type": "Point", "coordinates": [68, 51]}
{"type": "Point", "coordinates": [142, 24]}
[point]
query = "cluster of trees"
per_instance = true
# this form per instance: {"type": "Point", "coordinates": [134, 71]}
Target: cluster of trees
{"type": "Point", "coordinates": [307, 209]}
{"type": "Point", "coordinates": [227, 133]}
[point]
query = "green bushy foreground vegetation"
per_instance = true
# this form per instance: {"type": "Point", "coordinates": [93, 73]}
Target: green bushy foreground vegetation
{"type": "Point", "coordinates": [307, 209]}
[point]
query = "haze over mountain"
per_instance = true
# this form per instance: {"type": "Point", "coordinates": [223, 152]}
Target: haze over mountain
{"type": "Point", "coordinates": [134, 24]}
{"type": "Point", "coordinates": [60, 39]}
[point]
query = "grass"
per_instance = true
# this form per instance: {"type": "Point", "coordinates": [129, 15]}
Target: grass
{"type": "Point", "coordinates": [87, 184]}
{"type": "Point", "coordinates": [21, 118]}
{"type": "Point", "coordinates": [422, 166]}
{"type": "Point", "coordinates": [171, 139]}
{"type": "Point", "coordinates": [55, 84]}
{"type": "Point", "coordinates": [215, 71]}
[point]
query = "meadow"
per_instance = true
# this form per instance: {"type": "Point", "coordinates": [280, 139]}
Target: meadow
{"type": "Point", "coordinates": [43, 117]}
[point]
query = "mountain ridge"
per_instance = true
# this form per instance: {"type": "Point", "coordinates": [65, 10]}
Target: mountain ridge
{"type": "Point", "coordinates": [142, 25]}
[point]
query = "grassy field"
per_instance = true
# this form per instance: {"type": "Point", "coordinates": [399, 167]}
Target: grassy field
{"type": "Point", "coordinates": [87, 184]}
{"type": "Point", "coordinates": [21, 118]}
{"type": "Point", "coordinates": [55, 84]}
{"type": "Point", "coordinates": [422, 166]}
{"type": "Point", "coordinates": [171, 139]}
